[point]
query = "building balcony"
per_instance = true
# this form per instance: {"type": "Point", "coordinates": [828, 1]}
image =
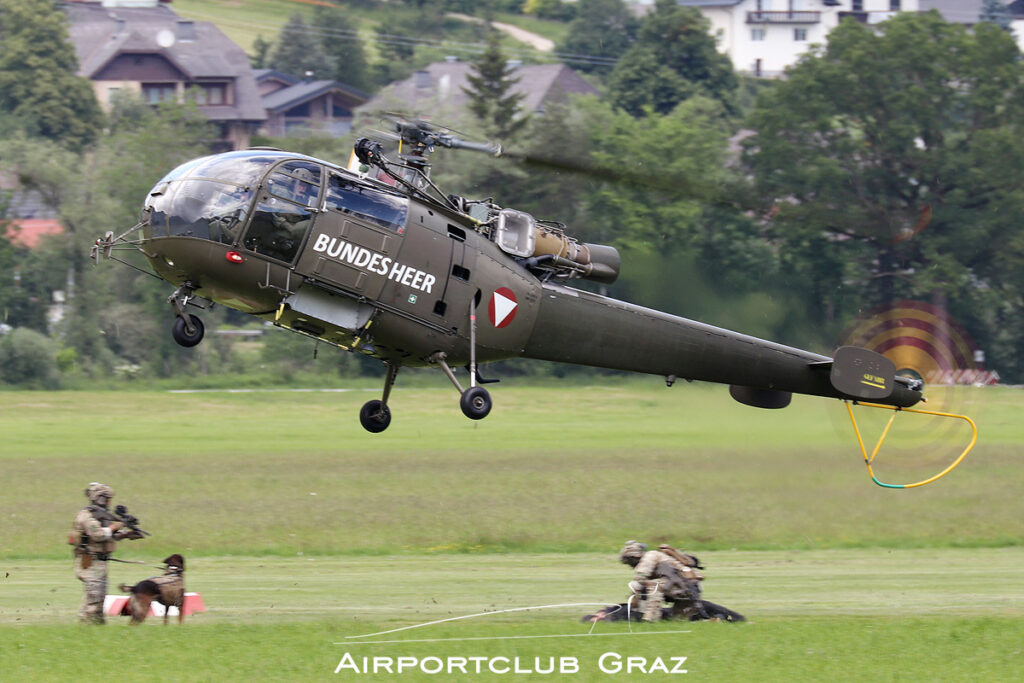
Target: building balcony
{"type": "Point", "coordinates": [862, 17]}
{"type": "Point", "coordinates": [791, 17]}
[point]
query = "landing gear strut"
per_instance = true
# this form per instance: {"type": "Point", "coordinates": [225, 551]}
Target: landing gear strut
{"type": "Point", "coordinates": [474, 401]}
{"type": "Point", "coordinates": [188, 330]}
{"type": "Point", "coordinates": [375, 416]}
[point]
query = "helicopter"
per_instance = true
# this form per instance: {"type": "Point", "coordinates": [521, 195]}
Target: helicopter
{"type": "Point", "coordinates": [372, 257]}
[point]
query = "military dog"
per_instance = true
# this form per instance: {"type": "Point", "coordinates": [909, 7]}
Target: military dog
{"type": "Point", "coordinates": [168, 590]}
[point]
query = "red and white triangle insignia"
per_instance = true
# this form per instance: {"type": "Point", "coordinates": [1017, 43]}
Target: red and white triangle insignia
{"type": "Point", "coordinates": [502, 307]}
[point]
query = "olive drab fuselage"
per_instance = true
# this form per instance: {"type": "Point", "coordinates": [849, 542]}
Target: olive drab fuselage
{"type": "Point", "coordinates": [415, 275]}
{"type": "Point", "coordinates": [374, 266]}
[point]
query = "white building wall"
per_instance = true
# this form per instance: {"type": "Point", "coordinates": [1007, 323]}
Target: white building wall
{"type": "Point", "coordinates": [770, 46]}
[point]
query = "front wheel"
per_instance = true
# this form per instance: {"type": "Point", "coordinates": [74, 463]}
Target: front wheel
{"type": "Point", "coordinates": [375, 416]}
{"type": "Point", "coordinates": [475, 403]}
{"type": "Point", "coordinates": [181, 334]}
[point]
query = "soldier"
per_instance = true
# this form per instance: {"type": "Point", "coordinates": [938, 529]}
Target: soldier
{"type": "Point", "coordinates": [94, 534]}
{"type": "Point", "coordinates": [663, 575]}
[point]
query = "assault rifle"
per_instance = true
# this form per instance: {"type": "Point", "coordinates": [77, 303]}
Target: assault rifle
{"type": "Point", "coordinates": [120, 514]}
{"type": "Point", "coordinates": [105, 517]}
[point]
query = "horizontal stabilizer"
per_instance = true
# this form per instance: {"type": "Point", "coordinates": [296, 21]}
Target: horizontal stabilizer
{"type": "Point", "coordinates": [864, 374]}
{"type": "Point", "coordinates": [760, 398]}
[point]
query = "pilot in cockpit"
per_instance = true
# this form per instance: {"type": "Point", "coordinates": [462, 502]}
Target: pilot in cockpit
{"type": "Point", "coordinates": [303, 188]}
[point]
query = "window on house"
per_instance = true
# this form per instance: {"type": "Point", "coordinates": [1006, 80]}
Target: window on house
{"type": "Point", "coordinates": [858, 6]}
{"type": "Point", "coordinates": [757, 34]}
{"type": "Point", "coordinates": [894, 5]}
{"type": "Point", "coordinates": [155, 93]}
{"type": "Point", "coordinates": [799, 34]}
{"type": "Point", "coordinates": [210, 93]}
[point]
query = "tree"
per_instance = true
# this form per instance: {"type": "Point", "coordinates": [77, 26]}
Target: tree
{"type": "Point", "coordinates": [38, 85]}
{"type": "Point", "coordinates": [260, 57]}
{"type": "Point", "coordinates": [673, 58]}
{"type": "Point", "coordinates": [298, 50]}
{"type": "Point", "coordinates": [602, 29]}
{"type": "Point", "coordinates": [891, 160]}
{"type": "Point", "coordinates": [491, 96]}
{"type": "Point", "coordinates": [996, 12]}
{"type": "Point", "coordinates": [343, 47]}
{"type": "Point", "coordinates": [95, 191]}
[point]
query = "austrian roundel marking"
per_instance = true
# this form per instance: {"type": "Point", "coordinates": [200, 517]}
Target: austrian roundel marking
{"type": "Point", "coordinates": [502, 307]}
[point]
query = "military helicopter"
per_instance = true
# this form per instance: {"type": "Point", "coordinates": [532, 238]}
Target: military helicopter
{"type": "Point", "coordinates": [373, 258]}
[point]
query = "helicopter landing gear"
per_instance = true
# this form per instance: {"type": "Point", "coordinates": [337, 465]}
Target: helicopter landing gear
{"type": "Point", "coordinates": [375, 416]}
{"type": "Point", "coordinates": [188, 330]}
{"type": "Point", "coordinates": [188, 333]}
{"type": "Point", "coordinates": [475, 403]}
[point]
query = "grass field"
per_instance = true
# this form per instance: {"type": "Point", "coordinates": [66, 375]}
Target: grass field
{"type": "Point", "coordinates": [303, 530]}
{"type": "Point", "coordinates": [243, 20]}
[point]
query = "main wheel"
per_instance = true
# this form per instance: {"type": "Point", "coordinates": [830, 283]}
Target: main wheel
{"type": "Point", "coordinates": [475, 403]}
{"type": "Point", "coordinates": [375, 416]}
{"type": "Point", "coordinates": [180, 331]}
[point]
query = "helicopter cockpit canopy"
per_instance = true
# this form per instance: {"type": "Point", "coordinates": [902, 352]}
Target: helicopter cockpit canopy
{"type": "Point", "coordinates": [207, 198]}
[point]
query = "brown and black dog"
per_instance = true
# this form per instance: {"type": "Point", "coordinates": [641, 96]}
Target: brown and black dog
{"type": "Point", "coordinates": [168, 590]}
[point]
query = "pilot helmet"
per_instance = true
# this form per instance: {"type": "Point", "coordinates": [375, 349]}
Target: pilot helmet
{"type": "Point", "coordinates": [96, 490]}
{"type": "Point", "coordinates": [303, 187]}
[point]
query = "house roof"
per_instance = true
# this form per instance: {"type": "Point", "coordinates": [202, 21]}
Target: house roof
{"type": "Point", "coordinates": [27, 232]}
{"type": "Point", "coordinates": [198, 49]}
{"type": "Point", "coordinates": [445, 80]}
{"type": "Point", "coordinates": [262, 75]}
{"type": "Point", "coordinates": [288, 97]}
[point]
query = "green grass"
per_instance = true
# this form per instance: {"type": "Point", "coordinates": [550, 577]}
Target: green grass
{"type": "Point", "coordinates": [552, 468]}
{"type": "Point", "coordinates": [846, 614]}
{"type": "Point", "coordinates": [243, 20]}
{"type": "Point", "coordinates": [301, 529]}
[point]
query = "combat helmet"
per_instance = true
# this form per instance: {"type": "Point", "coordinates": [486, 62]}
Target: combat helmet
{"type": "Point", "coordinates": [96, 490]}
{"type": "Point", "coordinates": [633, 550]}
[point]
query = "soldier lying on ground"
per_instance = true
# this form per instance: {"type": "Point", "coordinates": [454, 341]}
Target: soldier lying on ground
{"type": "Point", "coordinates": [661, 576]}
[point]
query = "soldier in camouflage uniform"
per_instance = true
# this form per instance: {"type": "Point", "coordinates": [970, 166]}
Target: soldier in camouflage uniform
{"type": "Point", "coordinates": [663, 575]}
{"type": "Point", "coordinates": [94, 534]}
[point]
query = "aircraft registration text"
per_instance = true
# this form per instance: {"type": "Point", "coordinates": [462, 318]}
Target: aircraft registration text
{"type": "Point", "coordinates": [374, 262]}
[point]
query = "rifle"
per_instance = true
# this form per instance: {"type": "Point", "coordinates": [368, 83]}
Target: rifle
{"type": "Point", "coordinates": [129, 521]}
{"type": "Point", "coordinates": [105, 517]}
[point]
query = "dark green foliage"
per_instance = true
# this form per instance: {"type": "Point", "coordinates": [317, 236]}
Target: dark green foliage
{"type": "Point", "coordinates": [996, 12]}
{"type": "Point", "coordinates": [38, 85]}
{"type": "Point", "coordinates": [602, 28]}
{"type": "Point", "coordinates": [260, 57]}
{"type": "Point", "coordinates": [28, 359]}
{"type": "Point", "coordinates": [491, 96]}
{"type": "Point", "coordinates": [299, 50]}
{"type": "Point", "coordinates": [343, 47]}
{"type": "Point", "coordinates": [894, 157]}
{"type": "Point", "coordinates": [673, 58]}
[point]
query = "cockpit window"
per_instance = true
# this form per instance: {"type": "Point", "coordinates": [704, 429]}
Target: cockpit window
{"type": "Point", "coordinates": [296, 181]}
{"type": "Point", "coordinates": [212, 198]}
{"type": "Point", "coordinates": [242, 170]}
{"type": "Point", "coordinates": [199, 208]}
{"type": "Point", "coordinates": [380, 208]}
{"type": "Point", "coordinates": [277, 229]}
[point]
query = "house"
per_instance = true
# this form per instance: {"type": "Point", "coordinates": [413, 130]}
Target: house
{"type": "Point", "coordinates": [25, 218]}
{"type": "Point", "coordinates": [763, 37]}
{"type": "Point", "coordinates": [306, 106]}
{"type": "Point", "coordinates": [142, 46]}
{"type": "Point", "coordinates": [437, 90]}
